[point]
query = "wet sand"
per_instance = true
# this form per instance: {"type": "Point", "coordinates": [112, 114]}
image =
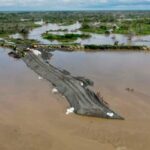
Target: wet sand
{"type": "Point", "coordinates": [32, 118]}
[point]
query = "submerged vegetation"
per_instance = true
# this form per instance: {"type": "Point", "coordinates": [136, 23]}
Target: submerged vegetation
{"type": "Point", "coordinates": [136, 27]}
{"type": "Point", "coordinates": [123, 22]}
{"type": "Point", "coordinates": [11, 23]}
{"type": "Point", "coordinates": [101, 22]}
{"type": "Point", "coordinates": [66, 37]}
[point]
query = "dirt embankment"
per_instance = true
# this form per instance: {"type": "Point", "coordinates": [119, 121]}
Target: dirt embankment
{"type": "Point", "coordinates": [81, 99]}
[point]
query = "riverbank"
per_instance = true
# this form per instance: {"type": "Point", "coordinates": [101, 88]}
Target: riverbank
{"type": "Point", "coordinates": [14, 43]}
{"type": "Point", "coordinates": [78, 47]}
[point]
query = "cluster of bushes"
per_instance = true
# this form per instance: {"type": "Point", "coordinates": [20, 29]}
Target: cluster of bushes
{"type": "Point", "coordinates": [113, 47]}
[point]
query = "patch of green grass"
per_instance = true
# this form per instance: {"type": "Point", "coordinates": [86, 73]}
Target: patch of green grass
{"type": "Point", "coordinates": [4, 35]}
{"type": "Point", "coordinates": [89, 28]}
{"type": "Point", "coordinates": [66, 37]}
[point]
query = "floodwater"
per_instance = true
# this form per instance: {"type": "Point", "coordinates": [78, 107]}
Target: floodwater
{"type": "Point", "coordinates": [36, 33]}
{"type": "Point", "coordinates": [94, 39]}
{"type": "Point", "coordinates": [110, 69]}
{"type": "Point", "coordinates": [32, 118]}
{"type": "Point", "coordinates": [98, 39]}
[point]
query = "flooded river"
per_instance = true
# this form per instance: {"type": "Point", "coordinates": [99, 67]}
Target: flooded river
{"type": "Point", "coordinates": [94, 39]}
{"type": "Point", "coordinates": [31, 117]}
{"type": "Point", "coordinates": [118, 70]}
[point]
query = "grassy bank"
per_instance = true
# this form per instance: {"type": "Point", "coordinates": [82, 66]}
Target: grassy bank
{"type": "Point", "coordinates": [115, 47]}
{"type": "Point", "coordinates": [70, 47]}
{"type": "Point", "coordinates": [77, 47]}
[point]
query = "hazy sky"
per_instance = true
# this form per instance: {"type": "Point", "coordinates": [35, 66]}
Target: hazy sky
{"type": "Point", "coordinates": [74, 5]}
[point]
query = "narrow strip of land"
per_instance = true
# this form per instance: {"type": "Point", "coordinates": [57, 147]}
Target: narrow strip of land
{"type": "Point", "coordinates": [83, 100]}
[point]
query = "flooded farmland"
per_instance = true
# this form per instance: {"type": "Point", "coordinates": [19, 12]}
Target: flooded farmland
{"type": "Point", "coordinates": [94, 39]}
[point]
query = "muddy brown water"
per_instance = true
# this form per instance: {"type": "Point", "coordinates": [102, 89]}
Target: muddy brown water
{"type": "Point", "coordinates": [32, 118]}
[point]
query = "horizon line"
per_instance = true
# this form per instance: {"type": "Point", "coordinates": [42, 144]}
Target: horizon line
{"type": "Point", "coordinates": [73, 10]}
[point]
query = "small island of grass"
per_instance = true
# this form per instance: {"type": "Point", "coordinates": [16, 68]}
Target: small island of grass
{"type": "Point", "coordinates": [66, 37]}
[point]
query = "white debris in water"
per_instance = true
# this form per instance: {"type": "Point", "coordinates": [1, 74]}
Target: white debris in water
{"type": "Point", "coordinates": [70, 110]}
{"type": "Point", "coordinates": [28, 48]}
{"type": "Point", "coordinates": [40, 78]}
{"type": "Point", "coordinates": [54, 90]}
{"type": "Point", "coordinates": [81, 83]}
{"type": "Point", "coordinates": [110, 114]}
{"type": "Point", "coordinates": [36, 52]}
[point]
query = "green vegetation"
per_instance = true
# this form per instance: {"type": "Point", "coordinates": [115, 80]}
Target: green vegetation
{"type": "Point", "coordinates": [92, 47]}
{"type": "Point", "coordinates": [136, 21]}
{"type": "Point", "coordinates": [11, 23]}
{"type": "Point", "coordinates": [101, 22]}
{"type": "Point", "coordinates": [101, 29]}
{"type": "Point", "coordinates": [59, 30]}
{"type": "Point", "coordinates": [66, 37]}
{"type": "Point", "coordinates": [20, 43]}
{"type": "Point", "coordinates": [113, 47]}
{"type": "Point", "coordinates": [136, 27]}
{"type": "Point", "coordinates": [24, 42]}
{"type": "Point", "coordinates": [78, 47]}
